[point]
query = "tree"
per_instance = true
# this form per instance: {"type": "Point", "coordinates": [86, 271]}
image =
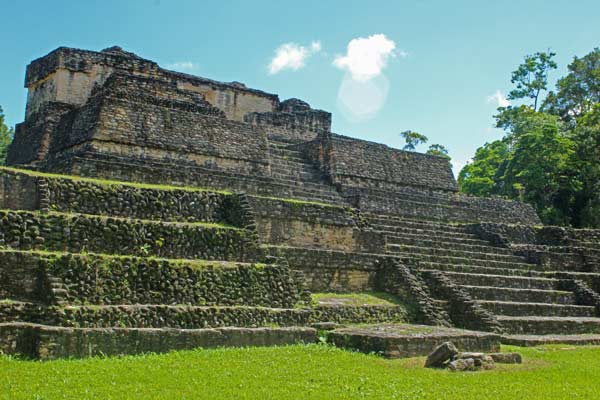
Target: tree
{"type": "Point", "coordinates": [413, 139]}
{"type": "Point", "coordinates": [438, 150]}
{"type": "Point", "coordinates": [6, 136]}
{"type": "Point", "coordinates": [536, 168]}
{"type": "Point", "coordinates": [549, 158]}
{"type": "Point", "coordinates": [585, 170]}
{"type": "Point", "coordinates": [482, 176]}
{"type": "Point", "coordinates": [531, 77]}
{"type": "Point", "coordinates": [578, 92]}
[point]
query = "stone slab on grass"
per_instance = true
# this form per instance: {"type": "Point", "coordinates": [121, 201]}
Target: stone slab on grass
{"type": "Point", "coordinates": [404, 340]}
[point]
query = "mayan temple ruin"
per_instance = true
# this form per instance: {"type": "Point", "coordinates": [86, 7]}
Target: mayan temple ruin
{"type": "Point", "coordinates": [146, 210]}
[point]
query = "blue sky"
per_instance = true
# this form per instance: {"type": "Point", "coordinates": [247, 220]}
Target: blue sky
{"type": "Point", "coordinates": [429, 66]}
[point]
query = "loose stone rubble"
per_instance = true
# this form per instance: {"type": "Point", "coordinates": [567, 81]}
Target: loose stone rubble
{"type": "Point", "coordinates": [446, 355]}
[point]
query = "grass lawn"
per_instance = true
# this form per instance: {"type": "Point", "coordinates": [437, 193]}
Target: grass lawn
{"type": "Point", "coordinates": [356, 299]}
{"type": "Point", "coordinates": [300, 372]}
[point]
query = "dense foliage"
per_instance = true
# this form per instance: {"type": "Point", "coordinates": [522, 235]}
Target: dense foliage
{"type": "Point", "coordinates": [6, 135]}
{"type": "Point", "coordinates": [548, 157]}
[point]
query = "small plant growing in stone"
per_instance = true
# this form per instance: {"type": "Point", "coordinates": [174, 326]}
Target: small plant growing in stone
{"type": "Point", "coordinates": [145, 249]}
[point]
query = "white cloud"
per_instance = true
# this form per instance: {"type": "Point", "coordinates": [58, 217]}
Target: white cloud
{"type": "Point", "coordinates": [499, 99]}
{"type": "Point", "coordinates": [367, 57]}
{"type": "Point", "coordinates": [183, 66]}
{"type": "Point", "coordinates": [292, 56]}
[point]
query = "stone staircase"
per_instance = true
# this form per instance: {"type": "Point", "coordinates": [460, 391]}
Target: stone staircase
{"type": "Point", "coordinates": [519, 294]}
{"type": "Point", "coordinates": [289, 168]}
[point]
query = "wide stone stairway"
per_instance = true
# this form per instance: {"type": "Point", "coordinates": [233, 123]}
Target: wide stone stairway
{"type": "Point", "coordinates": [297, 176]}
{"type": "Point", "coordinates": [521, 295]}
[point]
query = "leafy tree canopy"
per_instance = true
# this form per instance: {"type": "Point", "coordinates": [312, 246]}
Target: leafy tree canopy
{"type": "Point", "coordinates": [6, 136]}
{"type": "Point", "coordinates": [531, 77]}
{"type": "Point", "coordinates": [550, 157]}
{"type": "Point", "coordinates": [413, 139]}
{"type": "Point", "coordinates": [438, 150]}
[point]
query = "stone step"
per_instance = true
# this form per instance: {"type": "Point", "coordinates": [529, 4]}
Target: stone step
{"type": "Point", "coordinates": [314, 189]}
{"type": "Point", "coordinates": [549, 325]}
{"type": "Point", "coordinates": [307, 186]}
{"type": "Point", "coordinates": [303, 176]}
{"type": "Point", "coordinates": [472, 255]}
{"type": "Point", "coordinates": [518, 309]}
{"type": "Point", "coordinates": [539, 340]}
{"type": "Point", "coordinates": [479, 269]}
{"type": "Point", "coordinates": [288, 165]}
{"type": "Point", "coordinates": [447, 244]}
{"type": "Point", "coordinates": [519, 295]}
{"type": "Point", "coordinates": [300, 193]}
{"type": "Point", "coordinates": [391, 220]}
{"type": "Point", "coordinates": [403, 230]}
{"type": "Point", "coordinates": [288, 155]}
{"type": "Point", "coordinates": [428, 258]}
{"type": "Point", "coordinates": [424, 235]}
{"type": "Point", "coordinates": [516, 282]}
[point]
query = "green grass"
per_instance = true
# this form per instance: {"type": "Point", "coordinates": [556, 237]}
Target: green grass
{"type": "Point", "coordinates": [357, 299]}
{"type": "Point", "coordinates": [300, 372]}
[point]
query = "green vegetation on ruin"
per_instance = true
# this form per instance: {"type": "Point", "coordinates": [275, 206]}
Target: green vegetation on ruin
{"type": "Point", "coordinates": [72, 215]}
{"type": "Point", "coordinates": [173, 262]}
{"type": "Point", "coordinates": [107, 182]}
{"type": "Point", "coordinates": [300, 372]}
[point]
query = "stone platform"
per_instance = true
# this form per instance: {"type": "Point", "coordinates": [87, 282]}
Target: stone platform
{"type": "Point", "coordinates": [403, 340]}
{"type": "Point", "coordinates": [539, 340]}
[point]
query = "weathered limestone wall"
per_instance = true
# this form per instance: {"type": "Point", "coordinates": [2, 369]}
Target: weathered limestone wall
{"type": "Point", "coordinates": [331, 270]}
{"type": "Point", "coordinates": [70, 75]}
{"type": "Point", "coordinates": [358, 163]}
{"type": "Point", "coordinates": [20, 278]}
{"type": "Point", "coordinates": [301, 224]}
{"type": "Point", "coordinates": [294, 119]}
{"type": "Point", "coordinates": [141, 118]}
{"type": "Point", "coordinates": [447, 206]}
{"type": "Point", "coordinates": [18, 191]}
